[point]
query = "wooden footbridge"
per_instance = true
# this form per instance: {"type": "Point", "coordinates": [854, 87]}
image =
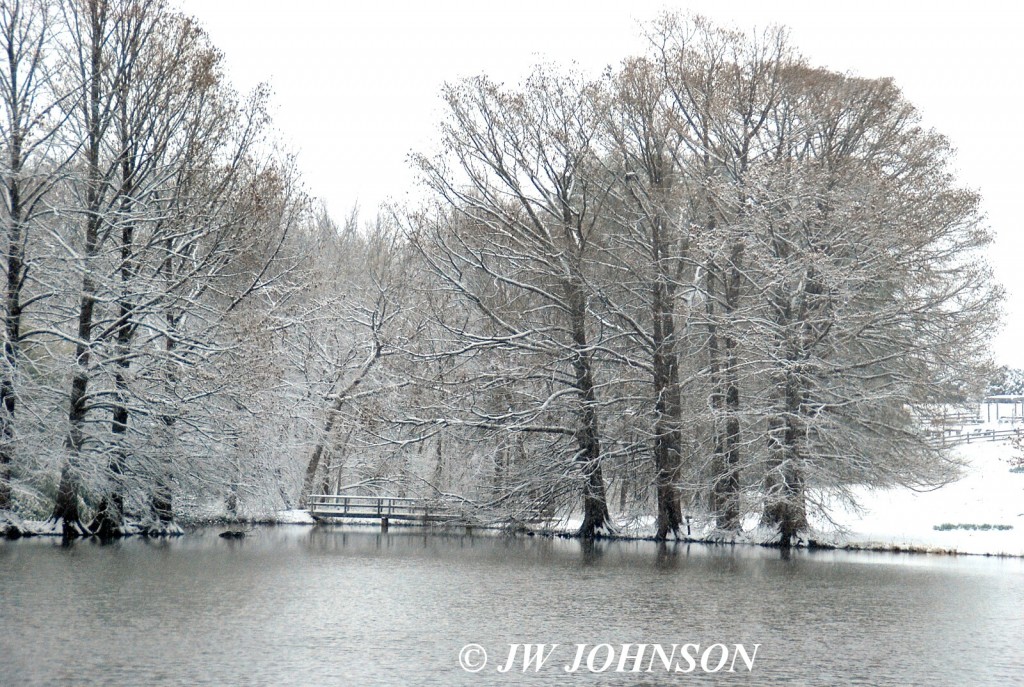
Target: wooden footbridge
{"type": "Point", "coordinates": [416, 511]}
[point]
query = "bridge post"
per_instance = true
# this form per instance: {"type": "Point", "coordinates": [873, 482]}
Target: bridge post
{"type": "Point", "coordinates": [384, 524]}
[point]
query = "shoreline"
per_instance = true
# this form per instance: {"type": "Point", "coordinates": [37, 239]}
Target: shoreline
{"type": "Point", "coordinates": [980, 514]}
{"type": "Point", "coordinates": [237, 529]}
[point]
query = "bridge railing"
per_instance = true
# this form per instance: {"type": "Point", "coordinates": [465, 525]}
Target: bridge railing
{"type": "Point", "coordinates": [396, 508]}
{"type": "Point", "coordinates": [392, 507]}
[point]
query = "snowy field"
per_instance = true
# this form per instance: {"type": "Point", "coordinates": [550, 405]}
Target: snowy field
{"type": "Point", "coordinates": [987, 494]}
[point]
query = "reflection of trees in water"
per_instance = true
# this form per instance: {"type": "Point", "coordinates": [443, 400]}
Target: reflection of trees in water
{"type": "Point", "coordinates": [667, 555]}
{"type": "Point", "coordinates": [592, 551]}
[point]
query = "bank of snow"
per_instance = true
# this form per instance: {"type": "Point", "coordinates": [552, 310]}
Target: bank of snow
{"type": "Point", "coordinates": [980, 513]}
{"type": "Point", "coordinates": [987, 496]}
{"type": "Point", "coordinates": [294, 517]}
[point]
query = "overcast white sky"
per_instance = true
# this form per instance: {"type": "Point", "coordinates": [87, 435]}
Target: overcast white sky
{"type": "Point", "coordinates": [356, 83]}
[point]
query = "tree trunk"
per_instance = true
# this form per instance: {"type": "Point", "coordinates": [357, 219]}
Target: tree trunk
{"type": "Point", "coordinates": [161, 504]}
{"type": "Point", "coordinates": [12, 328]}
{"type": "Point", "coordinates": [727, 482]}
{"type": "Point", "coordinates": [723, 499]}
{"type": "Point", "coordinates": [725, 490]}
{"type": "Point", "coordinates": [785, 505]}
{"type": "Point", "coordinates": [109, 521]}
{"type": "Point", "coordinates": [667, 407]}
{"type": "Point", "coordinates": [161, 501]}
{"type": "Point", "coordinates": [332, 414]}
{"type": "Point", "coordinates": [66, 506]}
{"type": "Point", "coordinates": [595, 505]}
{"type": "Point", "coordinates": [667, 438]}
{"type": "Point", "coordinates": [313, 467]}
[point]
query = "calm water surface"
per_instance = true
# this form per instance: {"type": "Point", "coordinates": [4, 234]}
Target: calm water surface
{"type": "Point", "coordinates": [304, 606]}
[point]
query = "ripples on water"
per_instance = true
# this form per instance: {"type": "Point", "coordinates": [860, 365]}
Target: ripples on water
{"type": "Point", "coordinates": [323, 606]}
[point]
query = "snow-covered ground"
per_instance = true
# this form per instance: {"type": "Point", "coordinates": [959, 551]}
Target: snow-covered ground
{"type": "Point", "coordinates": [294, 517]}
{"type": "Point", "coordinates": [987, 494]}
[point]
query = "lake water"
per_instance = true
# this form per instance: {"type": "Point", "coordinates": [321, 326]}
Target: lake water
{"type": "Point", "coordinates": [323, 606]}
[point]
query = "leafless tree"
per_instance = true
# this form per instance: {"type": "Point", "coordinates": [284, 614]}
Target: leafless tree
{"type": "Point", "coordinates": [515, 171]}
{"type": "Point", "coordinates": [31, 110]}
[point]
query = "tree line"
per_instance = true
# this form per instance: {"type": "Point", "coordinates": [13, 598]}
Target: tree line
{"type": "Point", "coordinates": [714, 283]}
{"type": "Point", "coordinates": [145, 217]}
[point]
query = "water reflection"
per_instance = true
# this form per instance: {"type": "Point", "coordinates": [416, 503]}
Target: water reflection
{"type": "Point", "coordinates": [293, 605]}
{"type": "Point", "coordinates": [592, 551]}
{"type": "Point", "coordinates": [668, 555]}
